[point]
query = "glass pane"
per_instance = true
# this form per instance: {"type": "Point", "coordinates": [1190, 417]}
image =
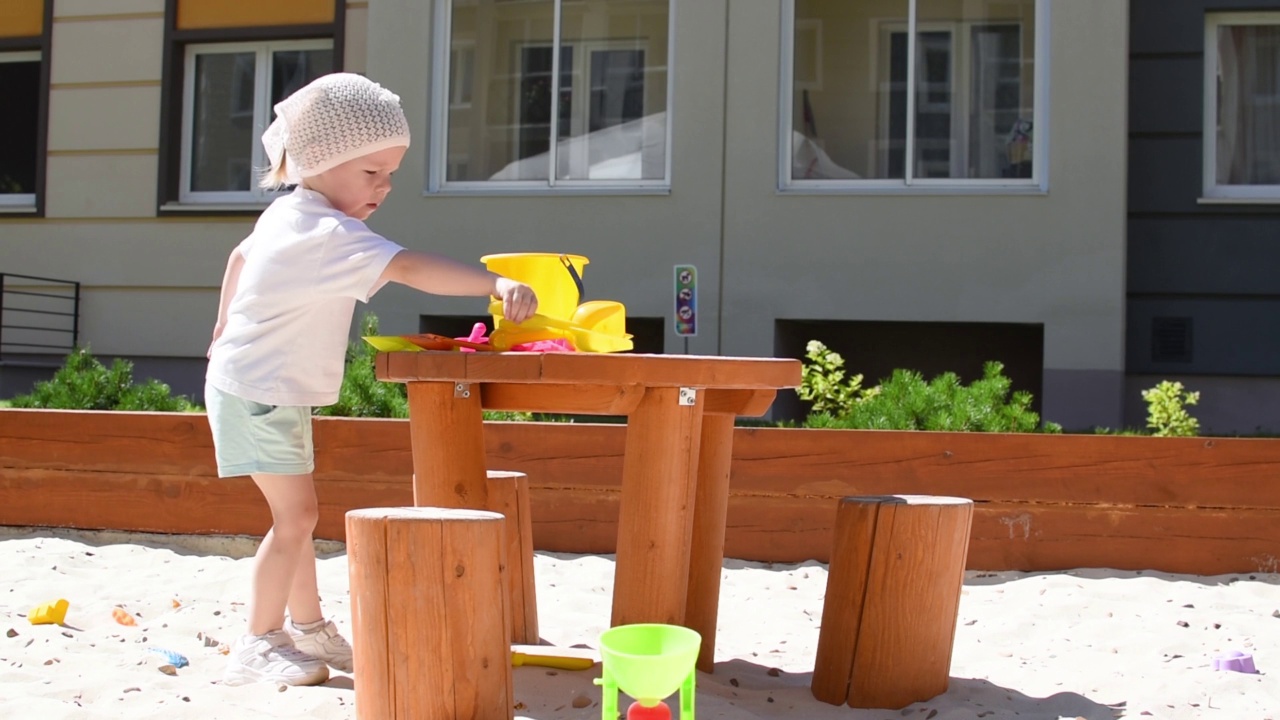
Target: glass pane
{"type": "Point", "coordinates": [291, 69]}
{"type": "Point", "coordinates": [849, 90]}
{"type": "Point", "coordinates": [1249, 105]}
{"type": "Point", "coordinates": [20, 85]}
{"type": "Point", "coordinates": [975, 74]}
{"type": "Point", "coordinates": [501, 55]}
{"type": "Point", "coordinates": [935, 105]}
{"type": "Point", "coordinates": [618, 118]}
{"type": "Point", "coordinates": [222, 132]}
{"type": "Point", "coordinates": [534, 107]}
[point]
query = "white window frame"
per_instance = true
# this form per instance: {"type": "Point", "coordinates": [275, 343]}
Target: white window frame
{"type": "Point", "coordinates": [1212, 190]}
{"type": "Point", "coordinates": [261, 111]}
{"type": "Point", "coordinates": [20, 201]}
{"type": "Point", "coordinates": [438, 158]}
{"type": "Point", "coordinates": [1038, 183]}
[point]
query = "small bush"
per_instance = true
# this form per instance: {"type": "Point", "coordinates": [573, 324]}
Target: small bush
{"type": "Point", "coordinates": [907, 402]}
{"type": "Point", "coordinates": [1167, 415]}
{"type": "Point", "coordinates": [83, 383]}
{"type": "Point", "coordinates": [823, 381]}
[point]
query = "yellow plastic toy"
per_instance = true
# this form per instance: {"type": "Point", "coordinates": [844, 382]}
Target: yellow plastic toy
{"type": "Point", "coordinates": [586, 339]}
{"type": "Point", "coordinates": [53, 613]}
{"type": "Point", "coordinates": [555, 277]}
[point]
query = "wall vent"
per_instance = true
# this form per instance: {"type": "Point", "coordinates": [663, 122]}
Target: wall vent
{"type": "Point", "coordinates": [1171, 339]}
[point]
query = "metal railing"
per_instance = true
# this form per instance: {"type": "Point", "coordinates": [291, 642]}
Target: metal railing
{"type": "Point", "coordinates": [35, 313]}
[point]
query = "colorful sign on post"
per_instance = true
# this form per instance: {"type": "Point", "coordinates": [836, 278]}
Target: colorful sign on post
{"type": "Point", "coordinates": [686, 300]}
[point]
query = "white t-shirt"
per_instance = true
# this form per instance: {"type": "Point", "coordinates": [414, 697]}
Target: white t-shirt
{"type": "Point", "coordinates": [305, 266]}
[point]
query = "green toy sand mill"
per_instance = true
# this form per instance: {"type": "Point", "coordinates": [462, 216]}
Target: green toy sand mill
{"type": "Point", "coordinates": [649, 662]}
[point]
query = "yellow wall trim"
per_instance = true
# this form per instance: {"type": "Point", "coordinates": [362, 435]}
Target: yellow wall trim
{"type": "Point", "coordinates": [21, 18]}
{"type": "Point", "coordinates": [201, 14]}
{"type": "Point", "coordinates": [104, 18]}
{"type": "Point", "coordinates": [103, 152]}
{"type": "Point", "coordinates": [104, 84]}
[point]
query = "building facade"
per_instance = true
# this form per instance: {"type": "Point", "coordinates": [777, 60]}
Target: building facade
{"type": "Point", "coordinates": [1203, 295]}
{"type": "Point", "coordinates": [918, 183]}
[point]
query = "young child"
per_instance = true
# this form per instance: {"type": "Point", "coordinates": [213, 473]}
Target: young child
{"type": "Point", "coordinates": [288, 297]}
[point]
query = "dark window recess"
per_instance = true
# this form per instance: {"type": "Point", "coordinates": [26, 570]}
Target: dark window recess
{"type": "Point", "coordinates": [1171, 339]}
{"type": "Point", "coordinates": [19, 126]}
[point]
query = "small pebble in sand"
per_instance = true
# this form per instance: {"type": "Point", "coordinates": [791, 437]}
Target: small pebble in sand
{"type": "Point", "coordinates": [11, 633]}
{"type": "Point", "coordinates": [581, 701]}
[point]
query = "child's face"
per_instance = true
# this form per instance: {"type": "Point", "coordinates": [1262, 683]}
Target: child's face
{"type": "Point", "coordinates": [358, 187]}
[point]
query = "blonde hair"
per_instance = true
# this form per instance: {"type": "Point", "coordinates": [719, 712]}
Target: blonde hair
{"type": "Point", "coordinates": [276, 176]}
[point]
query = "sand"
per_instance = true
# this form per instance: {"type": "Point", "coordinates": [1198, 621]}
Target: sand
{"type": "Point", "coordinates": [1089, 643]}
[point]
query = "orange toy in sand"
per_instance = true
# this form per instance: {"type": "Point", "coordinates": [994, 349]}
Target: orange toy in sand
{"type": "Point", "coordinates": [122, 617]}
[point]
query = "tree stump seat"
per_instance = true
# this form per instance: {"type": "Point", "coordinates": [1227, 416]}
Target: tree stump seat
{"type": "Point", "coordinates": [892, 602]}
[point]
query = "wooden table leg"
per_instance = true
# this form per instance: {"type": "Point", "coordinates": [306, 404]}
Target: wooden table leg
{"type": "Point", "coordinates": [655, 522]}
{"type": "Point", "coordinates": [446, 431]}
{"type": "Point", "coordinates": [706, 556]}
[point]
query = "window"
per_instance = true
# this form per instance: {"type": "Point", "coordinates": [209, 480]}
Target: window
{"type": "Point", "coordinates": [1242, 106]}
{"type": "Point", "coordinates": [911, 93]}
{"type": "Point", "coordinates": [230, 90]}
{"type": "Point", "coordinates": [20, 128]}
{"type": "Point", "coordinates": [592, 74]}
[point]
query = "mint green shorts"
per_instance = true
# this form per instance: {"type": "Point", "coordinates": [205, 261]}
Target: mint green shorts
{"type": "Point", "coordinates": [250, 437]}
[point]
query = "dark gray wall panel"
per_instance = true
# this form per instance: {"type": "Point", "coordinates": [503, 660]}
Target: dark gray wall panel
{"type": "Point", "coordinates": [1228, 336]}
{"type": "Point", "coordinates": [1165, 95]}
{"type": "Point", "coordinates": [1164, 174]}
{"type": "Point", "coordinates": [1215, 256]}
{"type": "Point", "coordinates": [1154, 28]}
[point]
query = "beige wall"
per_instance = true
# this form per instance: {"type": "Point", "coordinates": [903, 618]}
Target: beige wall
{"type": "Point", "coordinates": [1055, 258]}
{"type": "Point", "coordinates": [149, 285]}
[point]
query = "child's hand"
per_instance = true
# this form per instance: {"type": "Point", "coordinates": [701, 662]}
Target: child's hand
{"type": "Point", "coordinates": [519, 302]}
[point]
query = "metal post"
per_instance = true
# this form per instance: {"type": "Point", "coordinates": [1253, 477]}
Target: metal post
{"type": "Point", "coordinates": [75, 321]}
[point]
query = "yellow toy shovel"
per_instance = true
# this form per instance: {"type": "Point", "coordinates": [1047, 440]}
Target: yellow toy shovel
{"type": "Point", "coordinates": [552, 657]}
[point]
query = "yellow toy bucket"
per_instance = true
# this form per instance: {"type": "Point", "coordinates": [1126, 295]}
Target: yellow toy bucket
{"type": "Point", "coordinates": [555, 277]}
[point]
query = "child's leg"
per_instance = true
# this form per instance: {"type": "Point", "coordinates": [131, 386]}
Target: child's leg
{"type": "Point", "coordinates": [275, 570]}
{"type": "Point", "coordinates": [304, 596]}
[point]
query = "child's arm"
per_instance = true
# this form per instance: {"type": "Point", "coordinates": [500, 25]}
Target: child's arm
{"type": "Point", "coordinates": [230, 279]}
{"type": "Point", "coordinates": [442, 276]}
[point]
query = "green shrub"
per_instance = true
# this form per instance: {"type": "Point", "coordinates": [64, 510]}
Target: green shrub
{"type": "Point", "coordinates": [823, 381]}
{"type": "Point", "coordinates": [1167, 415]}
{"type": "Point", "coordinates": [906, 402]}
{"type": "Point", "coordinates": [83, 383]}
{"type": "Point", "coordinates": [364, 395]}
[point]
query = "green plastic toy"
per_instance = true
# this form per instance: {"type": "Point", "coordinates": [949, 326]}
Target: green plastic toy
{"type": "Point", "coordinates": [649, 662]}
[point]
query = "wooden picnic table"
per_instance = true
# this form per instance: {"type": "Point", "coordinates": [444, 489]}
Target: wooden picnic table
{"type": "Point", "coordinates": [675, 478]}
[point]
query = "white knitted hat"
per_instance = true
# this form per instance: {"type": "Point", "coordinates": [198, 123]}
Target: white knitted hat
{"type": "Point", "coordinates": [333, 119]}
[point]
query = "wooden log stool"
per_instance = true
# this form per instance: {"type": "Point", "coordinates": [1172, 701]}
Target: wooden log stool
{"type": "Point", "coordinates": [509, 495]}
{"type": "Point", "coordinates": [429, 620]}
{"type": "Point", "coordinates": [893, 597]}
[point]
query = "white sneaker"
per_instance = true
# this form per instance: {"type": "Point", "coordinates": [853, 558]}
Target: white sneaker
{"type": "Point", "coordinates": [272, 658]}
{"type": "Point", "coordinates": [323, 643]}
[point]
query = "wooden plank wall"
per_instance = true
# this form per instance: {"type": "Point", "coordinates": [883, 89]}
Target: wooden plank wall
{"type": "Point", "coordinates": [1197, 505]}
